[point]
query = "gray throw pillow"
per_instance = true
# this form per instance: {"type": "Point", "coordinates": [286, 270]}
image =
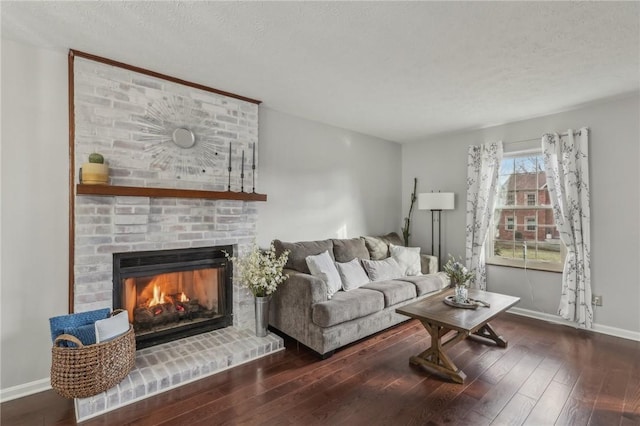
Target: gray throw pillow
{"type": "Point", "coordinates": [347, 250]}
{"type": "Point", "coordinates": [377, 248]}
{"type": "Point", "coordinates": [298, 252]}
{"type": "Point", "coordinates": [392, 238]}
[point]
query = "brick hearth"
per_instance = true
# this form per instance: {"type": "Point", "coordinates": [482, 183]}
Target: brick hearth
{"type": "Point", "coordinates": [174, 364]}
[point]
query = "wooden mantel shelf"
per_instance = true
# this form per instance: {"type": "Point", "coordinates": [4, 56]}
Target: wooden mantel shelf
{"type": "Point", "coordinates": [133, 191]}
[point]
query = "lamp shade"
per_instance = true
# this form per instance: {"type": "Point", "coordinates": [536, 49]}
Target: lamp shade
{"type": "Point", "coordinates": [436, 201]}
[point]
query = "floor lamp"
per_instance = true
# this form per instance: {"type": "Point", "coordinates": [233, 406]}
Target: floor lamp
{"type": "Point", "coordinates": [436, 202]}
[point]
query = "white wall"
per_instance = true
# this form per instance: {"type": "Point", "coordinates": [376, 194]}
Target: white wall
{"type": "Point", "coordinates": [321, 182]}
{"type": "Point", "coordinates": [35, 166]}
{"type": "Point", "coordinates": [325, 182]}
{"type": "Point", "coordinates": [439, 163]}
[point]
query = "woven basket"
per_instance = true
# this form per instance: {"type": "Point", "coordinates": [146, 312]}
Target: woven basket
{"type": "Point", "coordinates": [89, 370]}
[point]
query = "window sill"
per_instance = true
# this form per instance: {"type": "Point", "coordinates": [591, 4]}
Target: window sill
{"type": "Point", "coordinates": [534, 266]}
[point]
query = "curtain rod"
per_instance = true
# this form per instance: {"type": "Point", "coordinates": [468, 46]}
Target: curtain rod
{"type": "Point", "coordinates": [562, 135]}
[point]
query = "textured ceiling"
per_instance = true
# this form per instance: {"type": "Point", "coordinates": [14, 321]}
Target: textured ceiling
{"type": "Point", "coordinates": [397, 70]}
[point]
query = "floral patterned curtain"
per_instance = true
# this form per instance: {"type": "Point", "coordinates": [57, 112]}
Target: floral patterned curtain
{"type": "Point", "coordinates": [566, 164]}
{"type": "Point", "coordinates": [482, 177]}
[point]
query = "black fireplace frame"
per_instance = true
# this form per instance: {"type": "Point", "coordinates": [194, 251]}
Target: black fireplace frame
{"type": "Point", "coordinates": [141, 263]}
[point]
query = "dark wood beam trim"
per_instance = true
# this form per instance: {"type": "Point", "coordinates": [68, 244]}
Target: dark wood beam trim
{"type": "Point", "coordinates": [159, 75]}
{"type": "Point", "coordinates": [72, 179]}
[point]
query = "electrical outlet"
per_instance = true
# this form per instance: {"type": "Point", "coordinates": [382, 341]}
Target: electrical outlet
{"type": "Point", "coordinates": [596, 300]}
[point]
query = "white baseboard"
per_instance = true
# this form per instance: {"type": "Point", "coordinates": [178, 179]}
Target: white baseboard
{"type": "Point", "coordinates": [25, 389]}
{"type": "Point", "coordinates": [598, 328]}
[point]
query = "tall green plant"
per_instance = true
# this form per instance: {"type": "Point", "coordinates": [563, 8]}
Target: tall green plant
{"type": "Point", "coordinates": [407, 220]}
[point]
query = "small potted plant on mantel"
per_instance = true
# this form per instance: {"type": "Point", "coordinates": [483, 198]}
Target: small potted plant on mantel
{"type": "Point", "coordinates": [95, 172]}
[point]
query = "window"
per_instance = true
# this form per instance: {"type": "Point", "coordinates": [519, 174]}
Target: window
{"type": "Point", "coordinates": [531, 223]}
{"type": "Point", "coordinates": [523, 216]}
{"type": "Point", "coordinates": [510, 198]}
{"type": "Point", "coordinates": [509, 223]}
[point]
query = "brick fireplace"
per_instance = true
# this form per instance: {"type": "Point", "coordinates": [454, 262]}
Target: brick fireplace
{"type": "Point", "coordinates": [128, 115]}
{"type": "Point", "coordinates": [113, 107]}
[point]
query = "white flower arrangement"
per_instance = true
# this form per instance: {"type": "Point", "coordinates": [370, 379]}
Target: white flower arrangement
{"type": "Point", "coordinates": [261, 270]}
{"type": "Point", "coordinates": [457, 272]}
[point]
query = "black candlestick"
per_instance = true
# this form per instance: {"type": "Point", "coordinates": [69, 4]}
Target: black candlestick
{"type": "Point", "coordinates": [253, 169]}
{"type": "Point", "coordinates": [229, 169]}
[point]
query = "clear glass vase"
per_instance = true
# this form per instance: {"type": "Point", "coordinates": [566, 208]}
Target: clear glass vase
{"type": "Point", "coordinates": [461, 294]}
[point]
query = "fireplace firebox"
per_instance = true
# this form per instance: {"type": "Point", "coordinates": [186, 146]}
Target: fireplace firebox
{"type": "Point", "coordinates": [170, 294]}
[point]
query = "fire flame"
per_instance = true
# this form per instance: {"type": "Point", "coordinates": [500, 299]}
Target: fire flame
{"type": "Point", "coordinates": [158, 296]}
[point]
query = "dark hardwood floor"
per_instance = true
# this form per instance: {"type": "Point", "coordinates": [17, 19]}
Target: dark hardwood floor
{"type": "Point", "coordinates": [549, 374]}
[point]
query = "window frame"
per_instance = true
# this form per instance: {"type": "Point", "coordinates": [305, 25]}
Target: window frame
{"type": "Point", "coordinates": [510, 226]}
{"type": "Point", "coordinates": [511, 199]}
{"type": "Point", "coordinates": [535, 223]}
{"type": "Point", "coordinates": [494, 231]}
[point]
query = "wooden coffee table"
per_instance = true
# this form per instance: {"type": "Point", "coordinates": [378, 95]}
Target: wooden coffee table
{"type": "Point", "coordinates": [440, 319]}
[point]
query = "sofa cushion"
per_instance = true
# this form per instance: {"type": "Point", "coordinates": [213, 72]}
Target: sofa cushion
{"type": "Point", "coordinates": [378, 247]}
{"type": "Point", "coordinates": [352, 275]}
{"type": "Point", "coordinates": [394, 291]}
{"type": "Point", "coordinates": [407, 257]}
{"type": "Point", "coordinates": [428, 264]}
{"type": "Point", "coordinates": [393, 238]}
{"type": "Point", "coordinates": [428, 283]}
{"type": "Point", "coordinates": [381, 270]}
{"type": "Point", "coordinates": [323, 267]}
{"type": "Point", "coordinates": [347, 250]}
{"type": "Point", "coordinates": [347, 306]}
{"type": "Point", "coordinates": [298, 252]}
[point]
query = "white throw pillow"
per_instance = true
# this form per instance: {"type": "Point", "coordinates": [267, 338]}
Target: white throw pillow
{"type": "Point", "coordinates": [322, 266]}
{"type": "Point", "coordinates": [408, 258]}
{"type": "Point", "coordinates": [381, 270]}
{"type": "Point", "coordinates": [352, 274]}
{"type": "Point", "coordinates": [113, 327]}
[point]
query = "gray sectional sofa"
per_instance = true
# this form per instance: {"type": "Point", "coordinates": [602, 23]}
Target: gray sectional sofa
{"type": "Point", "coordinates": [301, 308]}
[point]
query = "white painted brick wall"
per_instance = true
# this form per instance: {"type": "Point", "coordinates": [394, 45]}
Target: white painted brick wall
{"type": "Point", "coordinates": [109, 104]}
